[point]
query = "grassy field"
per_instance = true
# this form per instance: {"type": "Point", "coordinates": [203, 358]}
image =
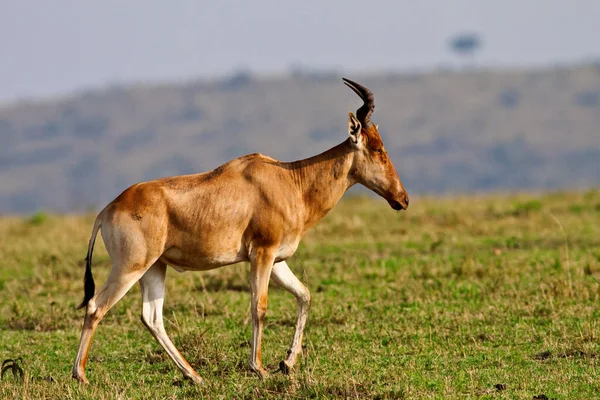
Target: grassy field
{"type": "Point", "coordinates": [469, 297]}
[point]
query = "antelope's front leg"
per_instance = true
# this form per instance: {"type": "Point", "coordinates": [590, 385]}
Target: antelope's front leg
{"type": "Point", "coordinates": [283, 275]}
{"type": "Point", "coordinates": [260, 272]}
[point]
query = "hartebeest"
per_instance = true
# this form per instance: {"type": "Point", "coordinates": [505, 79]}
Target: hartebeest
{"type": "Point", "coordinates": [253, 208]}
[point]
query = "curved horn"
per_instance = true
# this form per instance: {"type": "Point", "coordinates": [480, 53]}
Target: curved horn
{"type": "Point", "coordinates": [364, 112]}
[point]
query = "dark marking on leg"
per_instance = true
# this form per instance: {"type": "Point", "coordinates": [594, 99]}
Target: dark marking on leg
{"type": "Point", "coordinates": [283, 367]}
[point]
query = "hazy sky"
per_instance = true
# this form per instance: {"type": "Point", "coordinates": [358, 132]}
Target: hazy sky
{"type": "Point", "coordinates": [52, 47]}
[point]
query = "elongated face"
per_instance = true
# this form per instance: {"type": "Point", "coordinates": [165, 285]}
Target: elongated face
{"type": "Point", "coordinates": [372, 166]}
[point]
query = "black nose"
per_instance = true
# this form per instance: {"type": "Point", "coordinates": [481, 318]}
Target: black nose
{"type": "Point", "coordinates": [406, 201]}
{"type": "Point", "coordinates": [396, 205]}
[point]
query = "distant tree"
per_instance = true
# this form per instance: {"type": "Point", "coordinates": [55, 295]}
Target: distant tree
{"type": "Point", "coordinates": [8, 134]}
{"type": "Point", "coordinates": [588, 98]}
{"type": "Point", "coordinates": [90, 127]}
{"type": "Point", "coordinates": [238, 80]}
{"type": "Point", "coordinates": [315, 75]}
{"type": "Point", "coordinates": [191, 113]}
{"type": "Point", "coordinates": [465, 45]}
{"type": "Point", "coordinates": [132, 140]}
{"type": "Point", "coordinates": [510, 98]}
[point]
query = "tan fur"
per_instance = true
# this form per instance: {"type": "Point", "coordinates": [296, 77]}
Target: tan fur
{"type": "Point", "coordinates": [253, 208]}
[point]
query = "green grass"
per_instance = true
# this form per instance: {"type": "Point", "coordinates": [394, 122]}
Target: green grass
{"type": "Point", "coordinates": [479, 297]}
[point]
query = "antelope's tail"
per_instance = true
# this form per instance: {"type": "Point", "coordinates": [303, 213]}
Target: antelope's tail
{"type": "Point", "coordinates": [89, 287]}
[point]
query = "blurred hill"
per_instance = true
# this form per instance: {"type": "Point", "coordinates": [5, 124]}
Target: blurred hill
{"type": "Point", "coordinates": [446, 131]}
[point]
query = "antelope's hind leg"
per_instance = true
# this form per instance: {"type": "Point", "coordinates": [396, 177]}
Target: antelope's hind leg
{"type": "Point", "coordinates": [283, 276]}
{"type": "Point", "coordinates": [153, 294]}
{"type": "Point", "coordinates": [121, 278]}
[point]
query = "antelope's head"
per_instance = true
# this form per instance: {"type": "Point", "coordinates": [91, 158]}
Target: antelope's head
{"type": "Point", "coordinates": [372, 167]}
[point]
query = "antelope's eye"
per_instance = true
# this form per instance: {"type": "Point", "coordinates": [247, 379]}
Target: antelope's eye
{"type": "Point", "coordinates": [379, 151]}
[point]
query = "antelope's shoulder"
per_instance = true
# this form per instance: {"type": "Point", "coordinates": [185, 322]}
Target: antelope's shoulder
{"type": "Point", "coordinates": [255, 158]}
{"type": "Point", "coordinates": [224, 171]}
{"type": "Point", "coordinates": [240, 164]}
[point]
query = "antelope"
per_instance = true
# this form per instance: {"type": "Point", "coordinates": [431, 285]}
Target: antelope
{"type": "Point", "coordinates": [253, 208]}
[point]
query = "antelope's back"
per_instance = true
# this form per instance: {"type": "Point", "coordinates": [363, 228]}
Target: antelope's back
{"type": "Point", "coordinates": [217, 213]}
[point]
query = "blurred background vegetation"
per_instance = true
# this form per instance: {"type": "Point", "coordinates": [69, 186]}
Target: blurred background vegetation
{"type": "Point", "coordinates": [447, 131]}
{"type": "Point", "coordinates": [496, 96]}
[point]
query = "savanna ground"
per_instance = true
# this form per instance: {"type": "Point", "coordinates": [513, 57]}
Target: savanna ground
{"type": "Point", "coordinates": [479, 297]}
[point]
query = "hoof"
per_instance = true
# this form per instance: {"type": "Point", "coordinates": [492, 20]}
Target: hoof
{"type": "Point", "coordinates": [80, 378]}
{"type": "Point", "coordinates": [284, 368]}
{"type": "Point", "coordinates": [195, 379]}
{"type": "Point", "coordinates": [260, 372]}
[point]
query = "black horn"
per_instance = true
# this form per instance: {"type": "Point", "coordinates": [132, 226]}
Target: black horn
{"type": "Point", "coordinates": [364, 112]}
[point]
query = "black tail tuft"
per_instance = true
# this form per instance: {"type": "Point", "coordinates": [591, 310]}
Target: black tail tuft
{"type": "Point", "coordinates": [88, 282]}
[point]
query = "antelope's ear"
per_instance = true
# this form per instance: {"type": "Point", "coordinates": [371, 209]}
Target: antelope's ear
{"type": "Point", "coordinates": [354, 128]}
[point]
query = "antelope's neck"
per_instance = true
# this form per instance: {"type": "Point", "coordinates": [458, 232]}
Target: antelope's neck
{"type": "Point", "coordinates": [322, 180]}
